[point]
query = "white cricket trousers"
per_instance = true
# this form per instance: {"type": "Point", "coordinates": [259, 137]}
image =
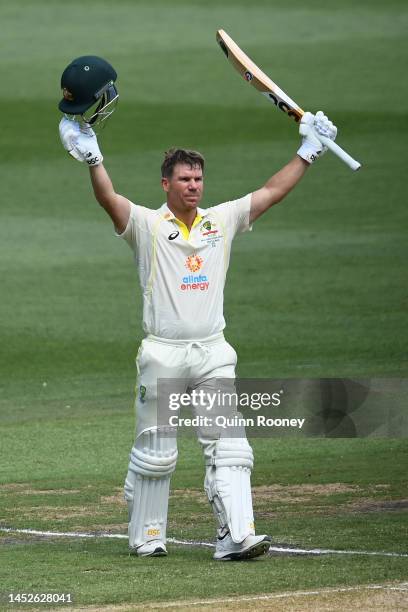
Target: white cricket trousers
{"type": "Point", "coordinates": [196, 363]}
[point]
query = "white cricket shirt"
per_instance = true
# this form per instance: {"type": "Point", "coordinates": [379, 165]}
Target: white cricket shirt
{"type": "Point", "coordinates": [183, 279]}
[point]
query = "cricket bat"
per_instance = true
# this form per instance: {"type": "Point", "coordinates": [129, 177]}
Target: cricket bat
{"type": "Point", "coordinates": [258, 79]}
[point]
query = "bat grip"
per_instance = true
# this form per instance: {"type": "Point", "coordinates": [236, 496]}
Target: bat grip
{"type": "Point", "coordinates": [334, 148]}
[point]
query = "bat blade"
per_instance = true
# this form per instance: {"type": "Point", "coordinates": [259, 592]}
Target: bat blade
{"type": "Point", "coordinates": [258, 79]}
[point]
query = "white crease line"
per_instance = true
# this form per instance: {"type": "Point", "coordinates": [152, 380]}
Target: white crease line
{"type": "Point", "coordinates": [267, 597]}
{"type": "Point", "coordinates": [80, 534]}
{"type": "Point", "coordinates": [63, 534]}
{"type": "Point", "coordinates": [400, 587]}
{"type": "Point", "coordinates": [328, 551]}
{"type": "Point", "coordinates": [277, 549]}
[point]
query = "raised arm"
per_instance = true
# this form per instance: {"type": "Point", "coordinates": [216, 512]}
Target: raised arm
{"type": "Point", "coordinates": [82, 144]}
{"type": "Point", "coordinates": [117, 206]}
{"type": "Point", "coordinates": [277, 187]}
{"type": "Point", "coordinates": [281, 183]}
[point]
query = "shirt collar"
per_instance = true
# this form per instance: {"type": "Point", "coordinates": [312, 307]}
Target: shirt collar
{"type": "Point", "coordinates": [165, 211]}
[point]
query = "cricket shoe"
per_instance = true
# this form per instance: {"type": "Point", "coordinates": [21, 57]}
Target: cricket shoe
{"type": "Point", "coordinates": [253, 546]}
{"type": "Point", "coordinates": [154, 548]}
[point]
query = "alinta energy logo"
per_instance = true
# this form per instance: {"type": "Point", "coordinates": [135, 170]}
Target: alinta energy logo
{"type": "Point", "coordinates": [193, 282]}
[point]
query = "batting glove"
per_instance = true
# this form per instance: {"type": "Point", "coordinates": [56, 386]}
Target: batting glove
{"type": "Point", "coordinates": [311, 126]}
{"type": "Point", "coordinates": [80, 142]}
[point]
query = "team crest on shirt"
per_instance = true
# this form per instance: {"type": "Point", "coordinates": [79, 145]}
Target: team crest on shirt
{"type": "Point", "coordinates": [194, 263]}
{"type": "Point", "coordinates": [209, 233]}
{"type": "Point", "coordinates": [208, 228]}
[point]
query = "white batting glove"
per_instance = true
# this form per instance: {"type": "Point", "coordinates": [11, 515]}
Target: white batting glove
{"type": "Point", "coordinates": [80, 142]}
{"type": "Point", "coordinates": [69, 132]}
{"type": "Point", "coordinates": [311, 126]}
{"type": "Point", "coordinates": [324, 126]}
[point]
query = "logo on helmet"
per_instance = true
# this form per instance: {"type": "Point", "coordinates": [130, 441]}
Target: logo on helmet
{"type": "Point", "coordinates": [67, 94]}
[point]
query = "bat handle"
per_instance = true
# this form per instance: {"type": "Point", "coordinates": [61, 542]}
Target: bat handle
{"type": "Point", "coordinates": [334, 148]}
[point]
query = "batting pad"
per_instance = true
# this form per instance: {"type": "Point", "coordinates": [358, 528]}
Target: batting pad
{"type": "Point", "coordinates": [228, 487]}
{"type": "Point", "coordinates": [152, 461]}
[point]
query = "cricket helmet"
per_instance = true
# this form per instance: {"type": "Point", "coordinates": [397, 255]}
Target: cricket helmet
{"type": "Point", "coordinates": [88, 89]}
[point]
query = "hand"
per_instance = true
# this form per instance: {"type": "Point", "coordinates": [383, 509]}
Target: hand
{"type": "Point", "coordinates": [311, 127]}
{"type": "Point", "coordinates": [324, 127]}
{"type": "Point", "coordinates": [80, 142]}
{"type": "Point", "coordinates": [69, 132]}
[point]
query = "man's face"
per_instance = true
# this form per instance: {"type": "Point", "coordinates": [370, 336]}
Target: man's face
{"type": "Point", "coordinates": [185, 188]}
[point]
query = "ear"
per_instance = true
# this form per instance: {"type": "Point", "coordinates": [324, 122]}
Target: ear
{"type": "Point", "coordinates": [165, 184]}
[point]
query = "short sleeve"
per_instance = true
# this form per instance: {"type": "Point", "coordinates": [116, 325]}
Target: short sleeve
{"type": "Point", "coordinates": [236, 214]}
{"type": "Point", "coordinates": [139, 227]}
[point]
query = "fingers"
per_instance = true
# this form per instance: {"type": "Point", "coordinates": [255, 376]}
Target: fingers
{"type": "Point", "coordinates": [69, 131]}
{"type": "Point", "coordinates": [68, 139]}
{"type": "Point", "coordinates": [66, 125]}
{"type": "Point", "coordinates": [308, 118]}
{"type": "Point", "coordinates": [324, 126]}
{"type": "Point", "coordinates": [306, 124]}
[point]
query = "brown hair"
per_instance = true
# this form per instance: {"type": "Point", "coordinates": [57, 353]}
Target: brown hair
{"type": "Point", "coordinates": [180, 156]}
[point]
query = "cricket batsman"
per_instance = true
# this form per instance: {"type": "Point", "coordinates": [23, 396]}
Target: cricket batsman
{"type": "Point", "coordinates": [182, 253]}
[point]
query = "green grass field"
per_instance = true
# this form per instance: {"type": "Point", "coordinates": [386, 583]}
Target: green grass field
{"type": "Point", "coordinates": [317, 290]}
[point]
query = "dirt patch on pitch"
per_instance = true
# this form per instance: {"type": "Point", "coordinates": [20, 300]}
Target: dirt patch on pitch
{"type": "Point", "coordinates": [62, 512]}
{"type": "Point", "coordinates": [271, 501]}
{"type": "Point", "coordinates": [52, 492]}
{"type": "Point", "coordinates": [364, 599]}
{"type": "Point", "coordinates": [53, 513]}
{"type": "Point", "coordinates": [117, 498]}
{"type": "Point", "coordinates": [117, 528]}
{"type": "Point", "coordinates": [375, 597]}
{"type": "Point", "coordinates": [374, 505]}
{"type": "Point", "coordinates": [16, 541]}
{"type": "Point", "coordinates": [23, 488]}
{"type": "Point", "coordinates": [286, 494]}
{"type": "Point", "coordinates": [300, 492]}
{"type": "Point", "coordinates": [292, 500]}
{"type": "Point", "coordinates": [314, 499]}
{"type": "Point", "coordinates": [12, 486]}
{"type": "Point", "coordinates": [195, 495]}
